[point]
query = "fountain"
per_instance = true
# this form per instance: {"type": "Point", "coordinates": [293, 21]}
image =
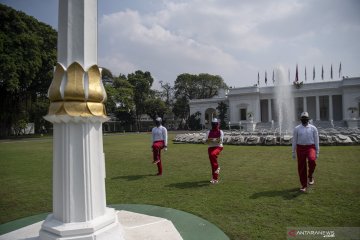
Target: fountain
{"type": "Point", "coordinates": [240, 127]}
{"type": "Point", "coordinates": [284, 102]}
{"type": "Point", "coordinates": [281, 130]}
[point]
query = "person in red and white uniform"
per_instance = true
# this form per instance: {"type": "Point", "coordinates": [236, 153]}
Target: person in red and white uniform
{"type": "Point", "coordinates": [215, 138]}
{"type": "Point", "coordinates": [306, 144]}
{"type": "Point", "coordinates": [159, 139]}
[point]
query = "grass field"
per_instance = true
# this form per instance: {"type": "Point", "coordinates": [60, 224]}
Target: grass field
{"type": "Point", "coordinates": [257, 197]}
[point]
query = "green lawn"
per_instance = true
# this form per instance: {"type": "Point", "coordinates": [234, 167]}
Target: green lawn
{"type": "Point", "coordinates": [257, 197]}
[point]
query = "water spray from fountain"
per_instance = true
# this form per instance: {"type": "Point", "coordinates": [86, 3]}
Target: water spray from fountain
{"type": "Point", "coordinates": [284, 101]}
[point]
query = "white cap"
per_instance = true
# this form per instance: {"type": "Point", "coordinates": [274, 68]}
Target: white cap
{"type": "Point", "coordinates": [304, 115]}
{"type": "Point", "coordinates": [158, 119]}
{"type": "Point", "coordinates": [214, 120]}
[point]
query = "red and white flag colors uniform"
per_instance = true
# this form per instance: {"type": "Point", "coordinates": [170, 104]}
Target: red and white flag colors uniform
{"type": "Point", "coordinates": [159, 141]}
{"type": "Point", "coordinates": [306, 144]}
{"type": "Point", "coordinates": [215, 138]}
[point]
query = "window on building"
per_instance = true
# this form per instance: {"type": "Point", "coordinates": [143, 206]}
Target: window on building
{"type": "Point", "coordinates": [243, 114]}
{"type": "Point", "coordinates": [337, 107]}
{"type": "Point", "coordinates": [299, 106]}
{"type": "Point", "coordinates": [324, 108]}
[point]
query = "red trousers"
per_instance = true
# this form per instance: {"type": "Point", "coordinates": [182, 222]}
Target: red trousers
{"type": "Point", "coordinates": [157, 146]}
{"type": "Point", "coordinates": [213, 156]}
{"type": "Point", "coordinates": [306, 152]}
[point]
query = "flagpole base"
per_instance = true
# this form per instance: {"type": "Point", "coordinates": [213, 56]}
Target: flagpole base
{"type": "Point", "coordinates": [102, 228]}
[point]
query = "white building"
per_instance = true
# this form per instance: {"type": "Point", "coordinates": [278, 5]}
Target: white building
{"type": "Point", "coordinates": [326, 101]}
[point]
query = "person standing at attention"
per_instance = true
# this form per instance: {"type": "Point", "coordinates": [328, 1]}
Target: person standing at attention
{"type": "Point", "coordinates": [306, 144]}
{"type": "Point", "coordinates": [159, 141]}
{"type": "Point", "coordinates": [215, 138]}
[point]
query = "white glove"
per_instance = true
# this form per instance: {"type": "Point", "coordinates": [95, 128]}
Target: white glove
{"type": "Point", "coordinates": [317, 155]}
{"type": "Point", "coordinates": [293, 155]}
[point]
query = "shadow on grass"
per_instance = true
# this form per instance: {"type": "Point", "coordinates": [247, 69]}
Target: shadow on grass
{"type": "Point", "coordinates": [287, 194]}
{"type": "Point", "coordinates": [185, 185]}
{"type": "Point", "coordinates": [132, 177]}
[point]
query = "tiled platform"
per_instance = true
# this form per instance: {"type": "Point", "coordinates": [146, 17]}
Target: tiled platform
{"type": "Point", "coordinates": [139, 222]}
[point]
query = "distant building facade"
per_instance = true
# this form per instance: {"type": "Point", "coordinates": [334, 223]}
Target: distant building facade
{"type": "Point", "coordinates": [328, 101]}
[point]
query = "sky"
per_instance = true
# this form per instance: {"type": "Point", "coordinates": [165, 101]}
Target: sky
{"type": "Point", "coordinates": [235, 39]}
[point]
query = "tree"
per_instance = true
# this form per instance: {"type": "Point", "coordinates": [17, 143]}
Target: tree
{"type": "Point", "coordinates": [20, 126]}
{"type": "Point", "coordinates": [27, 57]}
{"type": "Point", "coordinates": [181, 109]}
{"type": "Point", "coordinates": [198, 86]}
{"type": "Point", "coordinates": [141, 82]}
{"type": "Point", "coordinates": [125, 93]}
{"type": "Point", "coordinates": [38, 110]}
{"type": "Point", "coordinates": [119, 101]}
{"type": "Point", "coordinates": [167, 93]}
{"type": "Point", "coordinates": [125, 100]}
{"type": "Point", "coordinates": [107, 76]}
{"type": "Point", "coordinates": [185, 86]}
{"type": "Point", "coordinates": [155, 107]}
{"type": "Point", "coordinates": [188, 87]}
{"type": "Point", "coordinates": [222, 110]}
{"type": "Point", "coordinates": [209, 85]}
{"type": "Point", "coordinates": [110, 103]}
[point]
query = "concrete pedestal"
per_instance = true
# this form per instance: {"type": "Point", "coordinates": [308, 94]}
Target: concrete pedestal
{"type": "Point", "coordinates": [138, 221]}
{"type": "Point", "coordinates": [135, 226]}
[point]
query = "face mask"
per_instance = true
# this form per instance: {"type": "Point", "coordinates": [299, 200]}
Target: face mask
{"type": "Point", "coordinates": [304, 121]}
{"type": "Point", "coordinates": [214, 125]}
{"type": "Point", "coordinates": [158, 123]}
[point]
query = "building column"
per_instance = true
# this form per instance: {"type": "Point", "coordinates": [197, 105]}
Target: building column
{"type": "Point", "coordinates": [269, 110]}
{"type": "Point", "coordinates": [304, 104]}
{"type": "Point", "coordinates": [257, 117]}
{"type": "Point", "coordinates": [317, 108]}
{"type": "Point", "coordinates": [331, 117]}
